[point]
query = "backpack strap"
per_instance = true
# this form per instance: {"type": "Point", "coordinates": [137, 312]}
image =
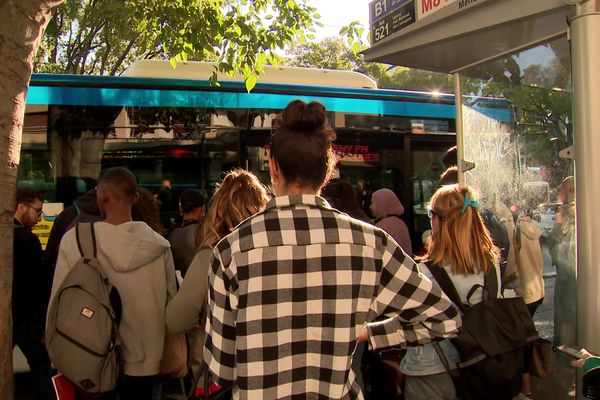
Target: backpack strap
{"type": "Point", "coordinates": [86, 239]}
{"type": "Point", "coordinates": [86, 242]}
{"type": "Point", "coordinates": [491, 283]}
{"type": "Point", "coordinates": [453, 372]}
{"type": "Point", "coordinates": [442, 278]}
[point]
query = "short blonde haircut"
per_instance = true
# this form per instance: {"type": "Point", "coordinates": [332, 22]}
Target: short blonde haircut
{"type": "Point", "coordinates": [239, 196]}
{"type": "Point", "coordinates": [462, 239]}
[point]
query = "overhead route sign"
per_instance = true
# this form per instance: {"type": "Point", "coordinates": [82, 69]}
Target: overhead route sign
{"type": "Point", "coordinates": [428, 7]}
{"type": "Point", "coordinates": [389, 16]}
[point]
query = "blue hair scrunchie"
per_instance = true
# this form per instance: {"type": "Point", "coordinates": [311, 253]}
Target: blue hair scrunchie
{"type": "Point", "coordinates": [468, 202]}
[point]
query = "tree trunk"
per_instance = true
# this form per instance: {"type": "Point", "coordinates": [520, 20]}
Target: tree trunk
{"type": "Point", "coordinates": [25, 22]}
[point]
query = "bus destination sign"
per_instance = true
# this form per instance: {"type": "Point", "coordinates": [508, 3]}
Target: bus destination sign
{"type": "Point", "coordinates": [380, 8]}
{"type": "Point", "coordinates": [389, 16]}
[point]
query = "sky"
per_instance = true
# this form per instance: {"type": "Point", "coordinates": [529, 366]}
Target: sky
{"type": "Point", "coordinates": [337, 13]}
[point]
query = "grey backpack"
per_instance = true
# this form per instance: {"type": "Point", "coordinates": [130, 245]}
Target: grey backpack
{"type": "Point", "coordinates": [82, 324]}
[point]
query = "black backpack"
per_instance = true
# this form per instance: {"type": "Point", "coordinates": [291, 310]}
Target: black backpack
{"type": "Point", "coordinates": [490, 343]}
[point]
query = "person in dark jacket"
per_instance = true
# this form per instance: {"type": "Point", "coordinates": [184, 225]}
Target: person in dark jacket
{"type": "Point", "coordinates": [83, 209]}
{"type": "Point", "coordinates": [183, 239]}
{"type": "Point", "coordinates": [29, 302]}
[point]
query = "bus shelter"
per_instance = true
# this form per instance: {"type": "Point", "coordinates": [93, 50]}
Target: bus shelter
{"type": "Point", "coordinates": [543, 55]}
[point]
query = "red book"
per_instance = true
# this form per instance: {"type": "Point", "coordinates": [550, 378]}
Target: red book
{"type": "Point", "coordinates": [64, 389]}
{"type": "Point", "coordinates": [213, 388]}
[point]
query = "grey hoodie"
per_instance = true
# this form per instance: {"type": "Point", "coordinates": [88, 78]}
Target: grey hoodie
{"type": "Point", "coordinates": [138, 262]}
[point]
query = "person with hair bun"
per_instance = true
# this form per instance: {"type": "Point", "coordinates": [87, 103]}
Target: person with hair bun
{"type": "Point", "coordinates": [461, 244]}
{"type": "Point", "coordinates": [295, 288]}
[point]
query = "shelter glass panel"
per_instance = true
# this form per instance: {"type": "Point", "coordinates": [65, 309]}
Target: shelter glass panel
{"type": "Point", "coordinates": [523, 176]}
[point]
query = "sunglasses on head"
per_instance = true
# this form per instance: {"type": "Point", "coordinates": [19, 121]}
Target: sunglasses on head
{"type": "Point", "coordinates": [432, 213]}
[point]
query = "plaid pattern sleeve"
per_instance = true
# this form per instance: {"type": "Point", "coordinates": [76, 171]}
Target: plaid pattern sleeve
{"type": "Point", "coordinates": [291, 288]}
{"type": "Point", "coordinates": [221, 324]}
{"type": "Point", "coordinates": [418, 310]}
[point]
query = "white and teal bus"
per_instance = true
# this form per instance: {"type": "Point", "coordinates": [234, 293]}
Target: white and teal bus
{"type": "Point", "coordinates": [166, 123]}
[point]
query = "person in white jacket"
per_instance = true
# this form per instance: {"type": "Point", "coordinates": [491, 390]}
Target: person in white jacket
{"type": "Point", "coordinates": [530, 262]}
{"type": "Point", "coordinates": [138, 262]}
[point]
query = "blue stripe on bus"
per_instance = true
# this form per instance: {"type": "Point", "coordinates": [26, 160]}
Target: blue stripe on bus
{"type": "Point", "coordinates": [88, 90]}
{"type": "Point", "coordinates": [169, 83]}
{"type": "Point", "coordinates": [180, 98]}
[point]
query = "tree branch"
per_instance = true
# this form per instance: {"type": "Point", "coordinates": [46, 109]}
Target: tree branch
{"type": "Point", "coordinates": [105, 58]}
{"type": "Point", "coordinates": [121, 58]}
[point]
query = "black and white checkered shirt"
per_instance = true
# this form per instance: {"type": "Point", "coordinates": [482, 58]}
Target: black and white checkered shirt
{"type": "Point", "coordinates": [291, 288]}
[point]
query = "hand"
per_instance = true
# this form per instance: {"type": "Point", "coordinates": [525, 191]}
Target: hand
{"type": "Point", "coordinates": [363, 335]}
{"type": "Point", "coordinates": [584, 356]}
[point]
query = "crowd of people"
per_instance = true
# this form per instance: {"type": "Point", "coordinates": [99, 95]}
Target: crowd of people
{"type": "Point", "coordinates": [279, 296]}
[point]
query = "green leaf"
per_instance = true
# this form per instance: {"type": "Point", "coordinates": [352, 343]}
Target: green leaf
{"type": "Point", "coordinates": [250, 82]}
{"type": "Point", "coordinates": [234, 30]}
{"type": "Point", "coordinates": [261, 58]}
{"type": "Point", "coordinates": [173, 62]}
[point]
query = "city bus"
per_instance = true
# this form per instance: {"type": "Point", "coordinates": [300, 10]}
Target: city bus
{"type": "Point", "coordinates": [174, 123]}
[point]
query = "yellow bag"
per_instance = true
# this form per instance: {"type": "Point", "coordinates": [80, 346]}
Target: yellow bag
{"type": "Point", "coordinates": [174, 359]}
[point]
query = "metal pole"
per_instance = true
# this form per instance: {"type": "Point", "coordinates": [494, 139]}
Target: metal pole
{"type": "Point", "coordinates": [460, 151]}
{"type": "Point", "coordinates": [585, 59]}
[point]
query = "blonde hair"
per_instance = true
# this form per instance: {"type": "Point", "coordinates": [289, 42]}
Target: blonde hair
{"type": "Point", "coordinates": [239, 196]}
{"type": "Point", "coordinates": [461, 240]}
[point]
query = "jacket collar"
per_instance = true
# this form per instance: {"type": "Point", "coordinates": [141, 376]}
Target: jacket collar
{"type": "Point", "coordinates": [309, 200]}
